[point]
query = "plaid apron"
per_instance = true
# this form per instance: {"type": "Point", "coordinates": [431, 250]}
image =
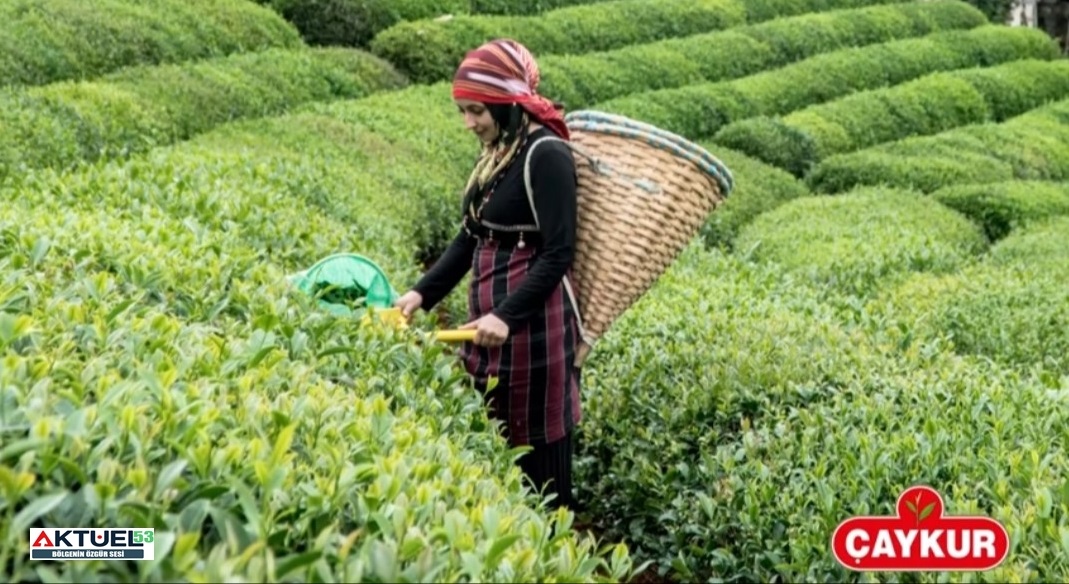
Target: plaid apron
{"type": "Point", "coordinates": [537, 393]}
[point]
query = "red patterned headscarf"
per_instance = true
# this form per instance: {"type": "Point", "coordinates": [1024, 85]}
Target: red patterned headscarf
{"type": "Point", "coordinates": [504, 71]}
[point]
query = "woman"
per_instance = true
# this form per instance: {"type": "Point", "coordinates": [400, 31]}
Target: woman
{"type": "Point", "coordinates": [526, 327]}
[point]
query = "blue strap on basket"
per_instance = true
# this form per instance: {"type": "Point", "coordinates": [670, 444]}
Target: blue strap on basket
{"type": "Point", "coordinates": [595, 121]}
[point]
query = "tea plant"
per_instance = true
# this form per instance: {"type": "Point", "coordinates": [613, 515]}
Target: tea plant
{"type": "Point", "coordinates": [701, 110]}
{"type": "Point", "coordinates": [1002, 207]}
{"type": "Point", "coordinates": [929, 105]}
{"type": "Point", "coordinates": [582, 80]}
{"type": "Point", "coordinates": [62, 124]}
{"type": "Point", "coordinates": [429, 51]}
{"type": "Point", "coordinates": [1033, 145]}
{"type": "Point", "coordinates": [859, 242]}
{"type": "Point", "coordinates": [68, 40]}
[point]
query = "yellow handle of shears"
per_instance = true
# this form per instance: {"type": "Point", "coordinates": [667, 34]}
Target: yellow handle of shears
{"type": "Point", "coordinates": [455, 336]}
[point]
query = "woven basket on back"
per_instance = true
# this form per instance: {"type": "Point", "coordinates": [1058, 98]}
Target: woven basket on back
{"type": "Point", "coordinates": [643, 195]}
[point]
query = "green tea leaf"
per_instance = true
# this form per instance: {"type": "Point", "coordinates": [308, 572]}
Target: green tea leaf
{"type": "Point", "coordinates": [296, 562]}
{"type": "Point", "coordinates": [499, 547]}
{"type": "Point", "coordinates": [36, 509]}
{"type": "Point", "coordinates": [168, 476]}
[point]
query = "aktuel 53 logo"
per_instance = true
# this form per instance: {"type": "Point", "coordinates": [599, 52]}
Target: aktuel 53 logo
{"type": "Point", "coordinates": [920, 538]}
{"type": "Point", "coordinates": [92, 543]}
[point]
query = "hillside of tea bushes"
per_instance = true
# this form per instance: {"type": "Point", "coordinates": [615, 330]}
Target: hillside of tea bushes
{"type": "Point", "coordinates": [881, 302]}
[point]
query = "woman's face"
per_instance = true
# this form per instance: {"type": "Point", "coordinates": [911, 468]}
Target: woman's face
{"type": "Point", "coordinates": [477, 118]}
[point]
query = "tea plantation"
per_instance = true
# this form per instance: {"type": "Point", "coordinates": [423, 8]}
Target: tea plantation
{"type": "Point", "coordinates": [881, 302]}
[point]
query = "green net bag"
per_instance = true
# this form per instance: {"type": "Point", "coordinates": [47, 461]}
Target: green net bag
{"type": "Point", "coordinates": [346, 283]}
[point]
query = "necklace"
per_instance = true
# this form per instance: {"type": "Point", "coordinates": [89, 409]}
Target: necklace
{"type": "Point", "coordinates": [489, 191]}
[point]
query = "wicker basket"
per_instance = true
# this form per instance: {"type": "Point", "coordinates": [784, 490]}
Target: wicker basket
{"type": "Point", "coordinates": [643, 195]}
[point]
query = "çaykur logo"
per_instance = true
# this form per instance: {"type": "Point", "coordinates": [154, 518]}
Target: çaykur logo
{"type": "Point", "coordinates": [920, 538]}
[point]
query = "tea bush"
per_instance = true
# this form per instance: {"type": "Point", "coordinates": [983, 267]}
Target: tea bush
{"type": "Point", "coordinates": [759, 188]}
{"type": "Point", "coordinates": [759, 10]}
{"type": "Point", "coordinates": [354, 23]}
{"type": "Point", "coordinates": [1012, 308]}
{"type": "Point", "coordinates": [1003, 207]}
{"type": "Point", "coordinates": [153, 347]}
{"type": "Point", "coordinates": [859, 242]}
{"type": "Point", "coordinates": [1038, 244]}
{"type": "Point", "coordinates": [734, 449]}
{"type": "Point", "coordinates": [523, 8]}
{"type": "Point", "coordinates": [825, 30]}
{"type": "Point", "coordinates": [441, 153]}
{"type": "Point", "coordinates": [59, 40]}
{"type": "Point", "coordinates": [580, 81]}
{"type": "Point", "coordinates": [326, 173]}
{"type": "Point", "coordinates": [291, 446]}
{"type": "Point", "coordinates": [929, 105]}
{"type": "Point", "coordinates": [344, 185]}
{"type": "Point", "coordinates": [61, 124]}
{"type": "Point", "coordinates": [701, 110]}
{"type": "Point", "coordinates": [428, 51]}
{"type": "Point", "coordinates": [1034, 145]}
{"type": "Point", "coordinates": [747, 345]}
{"type": "Point", "coordinates": [776, 493]}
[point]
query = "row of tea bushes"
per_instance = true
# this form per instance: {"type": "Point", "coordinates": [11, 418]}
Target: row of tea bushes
{"type": "Point", "coordinates": [364, 188]}
{"type": "Point", "coordinates": [759, 188]}
{"type": "Point", "coordinates": [701, 110]}
{"type": "Point", "coordinates": [862, 241]}
{"type": "Point", "coordinates": [425, 116]}
{"type": "Point", "coordinates": [159, 372]}
{"type": "Point", "coordinates": [354, 23]}
{"type": "Point", "coordinates": [734, 448]}
{"type": "Point", "coordinates": [1034, 145]}
{"type": "Point", "coordinates": [58, 40]}
{"type": "Point", "coordinates": [658, 410]}
{"type": "Point", "coordinates": [289, 447]}
{"type": "Point", "coordinates": [430, 50]}
{"type": "Point", "coordinates": [1013, 307]}
{"type": "Point", "coordinates": [773, 496]}
{"type": "Point", "coordinates": [760, 10]}
{"type": "Point", "coordinates": [64, 123]}
{"type": "Point", "coordinates": [580, 81]}
{"type": "Point", "coordinates": [1002, 207]}
{"type": "Point", "coordinates": [441, 155]}
{"type": "Point", "coordinates": [326, 174]}
{"type": "Point", "coordinates": [926, 106]}
{"type": "Point", "coordinates": [512, 7]}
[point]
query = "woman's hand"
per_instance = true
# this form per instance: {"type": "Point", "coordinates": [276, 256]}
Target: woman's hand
{"type": "Point", "coordinates": [490, 331]}
{"type": "Point", "coordinates": [408, 303]}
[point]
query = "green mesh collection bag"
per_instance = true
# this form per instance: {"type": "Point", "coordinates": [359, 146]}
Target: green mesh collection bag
{"type": "Point", "coordinates": [346, 283]}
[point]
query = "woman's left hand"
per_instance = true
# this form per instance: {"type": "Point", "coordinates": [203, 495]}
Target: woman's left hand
{"type": "Point", "coordinates": [490, 331]}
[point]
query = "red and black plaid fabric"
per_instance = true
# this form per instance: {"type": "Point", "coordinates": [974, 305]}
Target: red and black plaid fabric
{"type": "Point", "coordinates": [537, 395]}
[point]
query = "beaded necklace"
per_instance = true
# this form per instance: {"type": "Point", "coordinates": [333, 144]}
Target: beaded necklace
{"type": "Point", "coordinates": [489, 191]}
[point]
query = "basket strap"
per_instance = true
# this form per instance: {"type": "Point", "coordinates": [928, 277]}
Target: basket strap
{"type": "Point", "coordinates": [530, 199]}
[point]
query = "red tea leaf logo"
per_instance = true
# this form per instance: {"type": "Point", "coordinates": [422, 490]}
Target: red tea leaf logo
{"type": "Point", "coordinates": [916, 504]}
{"type": "Point", "coordinates": [920, 537]}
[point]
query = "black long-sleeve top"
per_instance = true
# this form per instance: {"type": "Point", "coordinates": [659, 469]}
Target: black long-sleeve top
{"type": "Point", "coordinates": [553, 184]}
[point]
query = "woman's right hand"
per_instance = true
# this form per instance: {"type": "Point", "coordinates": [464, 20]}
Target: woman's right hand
{"type": "Point", "coordinates": [409, 302]}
